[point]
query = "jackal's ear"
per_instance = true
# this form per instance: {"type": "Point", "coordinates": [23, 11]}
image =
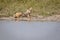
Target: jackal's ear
{"type": "Point", "coordinates": [30, 8]}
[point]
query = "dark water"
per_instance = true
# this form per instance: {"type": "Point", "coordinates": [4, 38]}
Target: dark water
{"type": "Point", "coordinates": [24, 30]}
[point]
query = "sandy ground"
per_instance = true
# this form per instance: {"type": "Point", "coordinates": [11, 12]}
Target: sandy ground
{"type": "Point", "coordinates": [38, 18]}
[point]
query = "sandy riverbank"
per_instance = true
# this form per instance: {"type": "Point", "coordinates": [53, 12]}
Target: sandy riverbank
{"type": "Point", "coordinates": [39, 18]}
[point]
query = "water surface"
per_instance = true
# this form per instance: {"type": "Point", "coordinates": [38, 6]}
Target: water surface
{"type": "Point", "coordinates": [25, 30]}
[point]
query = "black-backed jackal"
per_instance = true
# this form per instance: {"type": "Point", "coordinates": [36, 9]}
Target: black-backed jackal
{"type": "Point", "coordinates": [25, 14]}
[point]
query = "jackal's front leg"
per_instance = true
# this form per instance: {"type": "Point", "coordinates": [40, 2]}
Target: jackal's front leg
{"type": "Point", "coordinates": [29, 17]}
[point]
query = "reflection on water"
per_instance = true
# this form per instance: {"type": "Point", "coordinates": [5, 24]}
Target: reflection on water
{"type": "Point", "coordinates": [23, 30]}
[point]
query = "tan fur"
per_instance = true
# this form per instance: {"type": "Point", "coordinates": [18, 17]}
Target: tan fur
{"type": "Point", "coordinates": [26, 14]}
{"type": "Point", "coordinates": [17, 15]}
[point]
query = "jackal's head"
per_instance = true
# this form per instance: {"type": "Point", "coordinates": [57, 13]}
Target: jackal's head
{"type": "Point", "coordinates": [30, 8]}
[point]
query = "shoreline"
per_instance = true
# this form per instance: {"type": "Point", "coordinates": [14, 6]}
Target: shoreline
{"type": "Point", "coordinates": [39, 18]}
